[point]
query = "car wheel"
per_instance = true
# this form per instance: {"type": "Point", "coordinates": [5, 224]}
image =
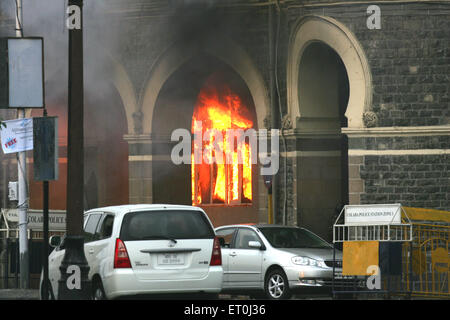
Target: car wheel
{"type": "Point", "coordinates": [276, 285]}
{"type": "Point", "coordinates": [98, 293]}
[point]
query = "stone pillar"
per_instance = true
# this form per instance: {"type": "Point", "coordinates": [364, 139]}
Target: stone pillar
{"type": "Point", "coordinates": [317, 186]}
{"type": "Point", "coordinates": [356, 184]}
{"type": "Point", "coordinates": [140, 168]}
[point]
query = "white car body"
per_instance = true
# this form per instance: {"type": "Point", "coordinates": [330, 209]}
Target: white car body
{"type": "Point", "coordinates": [152, 270]}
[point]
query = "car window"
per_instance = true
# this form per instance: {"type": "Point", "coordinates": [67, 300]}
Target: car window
{"type": "Point", "coordinates": [244, 236]}
{"type": "Point", "coordinates": [91, 226]}
{"type": "Point", "coordinates": [104, 229]}
{"type": "Point", "coordinates": [227, 234]}
{"type": "Point", "coordinates": [166, 224]}
{"type": "Point", "coordinates": [286, 237]}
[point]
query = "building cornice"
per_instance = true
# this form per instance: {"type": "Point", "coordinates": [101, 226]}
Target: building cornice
{"type": "Point", "coordinates": [397, 131]}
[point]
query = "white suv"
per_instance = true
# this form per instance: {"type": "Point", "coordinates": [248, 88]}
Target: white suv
{"type": "Point", "coordinates": [145, 249]}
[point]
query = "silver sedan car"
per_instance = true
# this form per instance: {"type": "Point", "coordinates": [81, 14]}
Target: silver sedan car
{"type": "Point", "coordinates": [274, 259]}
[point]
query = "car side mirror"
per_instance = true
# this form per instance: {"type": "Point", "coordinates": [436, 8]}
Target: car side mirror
{"type": "Point", "coordinates": [254, 244]}
{"type": "Point", "coordinates": [55, 241]}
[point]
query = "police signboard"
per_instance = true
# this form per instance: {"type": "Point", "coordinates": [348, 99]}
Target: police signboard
{"type": "Point", "coordinates": [56, 219]}
{"type": "Point", "coordinates": [373, 214]}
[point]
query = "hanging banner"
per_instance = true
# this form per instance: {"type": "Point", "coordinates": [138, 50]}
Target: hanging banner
{"type": "Point", "coordinates": [17, 136]}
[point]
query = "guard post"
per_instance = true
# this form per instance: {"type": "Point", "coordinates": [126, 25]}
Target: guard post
{"type": "Point", "coordinates": [372, 237]}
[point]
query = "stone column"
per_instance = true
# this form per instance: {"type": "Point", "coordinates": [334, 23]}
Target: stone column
{"type": "Point", "coordinates": [316, 180]}
{"type": "Point", "coordinates": [140, 168]}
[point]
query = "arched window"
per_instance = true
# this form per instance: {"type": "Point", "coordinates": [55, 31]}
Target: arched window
{"type": "Point", "coordinates": [221, 170]}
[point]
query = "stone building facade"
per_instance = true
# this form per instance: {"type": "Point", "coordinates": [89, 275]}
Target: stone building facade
{"type": "Point", "coordinates": [364, 113]}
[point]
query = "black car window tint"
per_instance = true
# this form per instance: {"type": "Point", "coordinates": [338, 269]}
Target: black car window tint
{"type": "Point", "coordinates": [293, 238]}
{"type": "Point", "coordinates": [166, 224]}
{"type": "Point", "coordinates": [105, 229]}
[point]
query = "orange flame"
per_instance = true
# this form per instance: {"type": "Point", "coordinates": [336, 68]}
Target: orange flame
{"type": "Point", "coordinates": [220, 182]}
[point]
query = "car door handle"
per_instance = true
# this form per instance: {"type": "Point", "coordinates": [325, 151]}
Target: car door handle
{"type": "Point", "coordinates": [91, 251]}
{"type": "Point", "coordinates": [233, 254]}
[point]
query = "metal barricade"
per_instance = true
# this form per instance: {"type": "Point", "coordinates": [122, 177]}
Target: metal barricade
{"type": "Point", "coordinates": [372, 237]}
{"type": "Point", "coordinates": [428, 261]}
{"type": "Point", "coordinates": [419, 246]}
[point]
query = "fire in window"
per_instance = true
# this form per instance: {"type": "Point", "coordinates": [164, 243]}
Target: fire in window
{"type": "Point", "coordinates": [226, 182]}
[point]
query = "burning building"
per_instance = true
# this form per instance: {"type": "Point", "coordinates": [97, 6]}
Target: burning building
{"type": "Point", "coordinates": [363, 112]}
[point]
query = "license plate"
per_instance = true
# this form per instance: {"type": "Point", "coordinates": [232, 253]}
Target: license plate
{"type": "Point", "coordinates": [340, 276]}
{"type": "Point", "coordinates": [170, 259]}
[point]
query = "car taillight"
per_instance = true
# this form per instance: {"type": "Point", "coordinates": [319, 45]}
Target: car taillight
{"type": "Point", "coordinates": [216, 256]}
{"type": "Point", "coordinates": [121, 259]}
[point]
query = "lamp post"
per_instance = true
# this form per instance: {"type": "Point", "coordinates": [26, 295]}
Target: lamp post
{"type": "Point", "coordinates": [22, 182]}
{"type": "Point", "coordinates": [74, 283]}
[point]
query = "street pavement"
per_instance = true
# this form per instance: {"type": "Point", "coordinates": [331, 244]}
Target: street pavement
{"type": "Point", "coordinates": [19, 294]}
{"type": "Point", "coordinates": [33, 294]}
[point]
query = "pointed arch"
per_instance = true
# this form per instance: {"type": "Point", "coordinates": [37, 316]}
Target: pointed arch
{"type": "Point", "coordinates": [224, 49]}
{"type": "Point", "coordinates": [337, 36]}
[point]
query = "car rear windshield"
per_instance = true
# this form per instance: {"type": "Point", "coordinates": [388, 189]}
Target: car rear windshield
{"type": "Point", "coordinates": [293, 238]}
{"type": "Point", "coordinates": [166, 224]}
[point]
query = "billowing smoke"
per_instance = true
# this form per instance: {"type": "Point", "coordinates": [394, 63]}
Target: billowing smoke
{"type": "Point", "coordinates": [47, 18]}
{"type": "Point", "coordinates": [105, 121]}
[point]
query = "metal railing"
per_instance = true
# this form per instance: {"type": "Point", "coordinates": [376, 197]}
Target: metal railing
{"type": "Point", "coordinates": [378, 232]}
{"type": "Point", "coordinates": [428, 260]}
{"type": "Point", "coordinates": [12, 233]}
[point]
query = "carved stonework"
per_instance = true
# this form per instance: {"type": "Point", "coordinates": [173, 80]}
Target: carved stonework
{"type": "Point", "coordinates": [137, 118]}
{"type": "Point", "coordinates": [370, 119]}
{"type": "Point", "coordinates": [286, 122]}
{"type": "Point", "coordinates": [267, 122]}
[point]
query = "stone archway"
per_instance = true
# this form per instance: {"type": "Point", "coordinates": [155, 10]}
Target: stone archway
{"type": "Point", "coordinates": [145, 147]}
{"type": "Point", "coordinates": [329, 87]}
{"type": "Point", "coordinates": [338, 37]}
{"type": "Point", "coordinates": [224, 49]}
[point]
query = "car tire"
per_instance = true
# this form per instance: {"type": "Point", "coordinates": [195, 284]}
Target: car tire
{"type": "Point", "coordinates": [276, 285]}
{"type": "Point", "coordinates": [98, 293]}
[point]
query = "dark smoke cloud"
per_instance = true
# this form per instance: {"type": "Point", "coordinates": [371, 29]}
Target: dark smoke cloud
{"type": "Point", "coordinates": [47, 18]}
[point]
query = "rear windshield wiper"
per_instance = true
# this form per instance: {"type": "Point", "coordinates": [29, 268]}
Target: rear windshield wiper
{"type": "Point", "coordinates": [158, 238]}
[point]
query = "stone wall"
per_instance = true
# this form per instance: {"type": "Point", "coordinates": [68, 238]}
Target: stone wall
{"type": "Point", "coordinates": [409, 62]}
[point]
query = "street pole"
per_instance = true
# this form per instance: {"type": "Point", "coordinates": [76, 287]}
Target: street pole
{"type": "Point", "coordinates": [74, 283]}
{"type": "Point", "coordinates": [273, 109]}
{"type": "Point", "coordinates": [45, 207]}
{"type": "Point", "coordinates": [22, 184]}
